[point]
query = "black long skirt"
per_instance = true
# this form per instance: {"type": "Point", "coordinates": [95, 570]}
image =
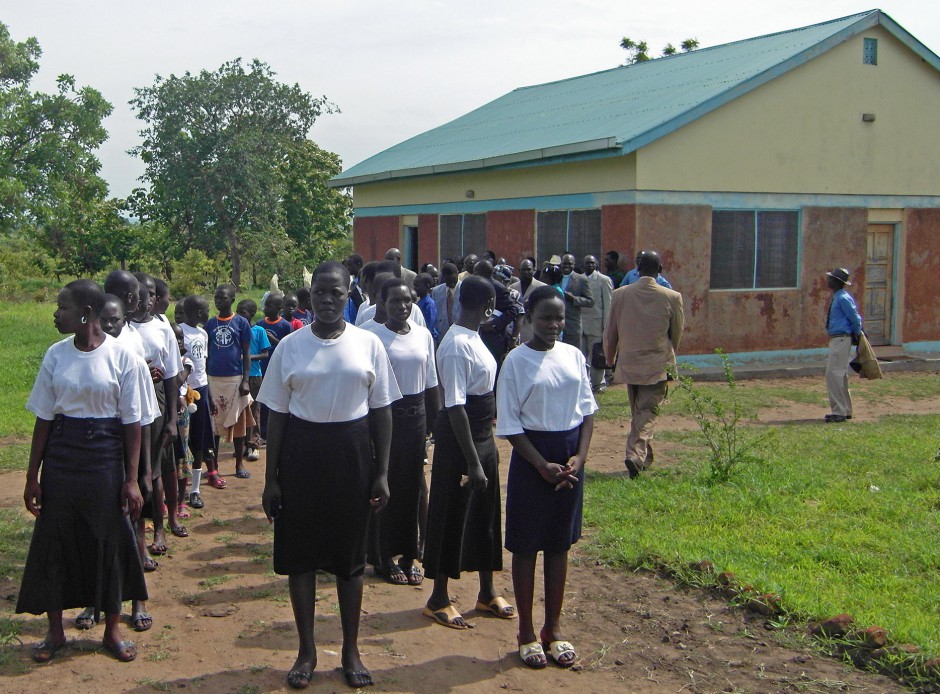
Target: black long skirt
{"type": "Point", "coordinates": [394, 530]}
{"type": "Point", "coordinates": [537, 517]}
{"type": "Point", "coordinates": [325, 474]}
{"type": "Point", "coordinates": [83, 552]}
{"type": "Point", "coordinates": [464, 527]}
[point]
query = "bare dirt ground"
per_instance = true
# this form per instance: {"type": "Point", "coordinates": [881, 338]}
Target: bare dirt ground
{"type": "Point", "coordinates": [222, 620]}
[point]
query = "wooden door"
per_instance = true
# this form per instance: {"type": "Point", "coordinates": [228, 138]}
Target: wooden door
{"type": "Point", "coordinates": [878, 280]}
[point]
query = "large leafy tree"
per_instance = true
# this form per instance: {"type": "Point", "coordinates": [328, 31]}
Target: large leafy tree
{"type": "Point", "coordinates": [49, 182]}
{"type": "Point", "coordinates": [220, 149]}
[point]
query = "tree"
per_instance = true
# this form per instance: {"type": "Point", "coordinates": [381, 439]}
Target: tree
{"type": "Point", "coordinates": [638, 51]}
{"type": "Point", "coordinates": [49, 181]}
{"type": "Point", "coordinates": [217, 147]}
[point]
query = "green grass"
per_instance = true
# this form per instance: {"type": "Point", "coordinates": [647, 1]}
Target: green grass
{"type": "Point", "coordinates": [15, 532]}
{"type": "Point", "coordinates": [838, 519]}
{"type": "Point", "coordinates": [27, 332]}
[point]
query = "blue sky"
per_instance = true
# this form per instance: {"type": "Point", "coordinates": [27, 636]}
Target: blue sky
{"type": "Point", "coordinates": [395, 69]}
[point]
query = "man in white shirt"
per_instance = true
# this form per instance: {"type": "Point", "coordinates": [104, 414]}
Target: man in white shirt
{"type": "Point", "coordinates": [446, 296]}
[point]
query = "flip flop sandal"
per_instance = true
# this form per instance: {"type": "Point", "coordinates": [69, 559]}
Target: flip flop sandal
{"type": "Point", "coordinates": [299, 679]}
{"type": "Point", "coordinates": [86, 619]}
{"type": "Point", "coordinates": [125, 651]}
{"type": "Point", "coordinates": [358, 678]}
{"type": "Point", "coordinates": [180, 531]}
{"type": "Point", "coordinates": [215, 480]}
{"type": "Point", "coordinates": [561, 652]}
{"type": "Point", "coordinates": [243, 474]}
{"type": "Point", "coordinates": [156, 549]}
{"type": "Point", "coordinates": [395, 576]}
{"type": "Point", "coordinates": [415, 577]}
{"type": "Point", "coordinates": [446, 617]}
{"type": "Point", "coordinates": [533, 655]}
{"type": "Point", "coordinates": [44, 651]}
{"type": "Point", "coordinates": [141, 621]}
{"type": "Point", "coordinates": [183, 511]}
{"type": "Point", "coordinates": [499, 607]}
{"type": "Point", "coordinates": [150, 564]}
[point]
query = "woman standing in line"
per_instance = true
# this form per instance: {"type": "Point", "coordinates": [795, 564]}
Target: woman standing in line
{"type": "Point", "coordinates": [410, 350]}
{"type": "Point", "coordinates": [329, 388]}
{"type": "Point", "coordinates": [464, 524]}
{"type": "Point", "coordinates": [546, 410]}
{"type": "Point", "coordinates": [87, 399]}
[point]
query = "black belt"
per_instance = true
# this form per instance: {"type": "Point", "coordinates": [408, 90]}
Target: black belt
{"type": "Point", "coordinates": [840, 335]}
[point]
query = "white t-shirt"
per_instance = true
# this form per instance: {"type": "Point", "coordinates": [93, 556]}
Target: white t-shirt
{"type": "Point", "coordinates": [368, 312]}
{"type": "Point", "coordinates": [543, 391]}
{"type": "Point", "coordinates": [130, 339]}
{"type": "Point", "coordinates": [196, 342]}
{"type": "Point", "coordinates": [329, 380]}
{"type": "Point", "coordinates": [161, 347]}
{"type": "Point", "coordinates": [411, 355]}
{"type": "Point", "coordinates": [107, 382]}
{"type": "Point", "coordinates": [465, 364]}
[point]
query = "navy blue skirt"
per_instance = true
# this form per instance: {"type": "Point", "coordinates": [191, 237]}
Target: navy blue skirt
{"type": "Point", "coordinates": [325, 473]}
{"type": "Point", "coordinates": [83, 552]}
{"type": "Point", "coordinates": [464, 531]}
{"type": "Point", "coordinates": [539, 519]}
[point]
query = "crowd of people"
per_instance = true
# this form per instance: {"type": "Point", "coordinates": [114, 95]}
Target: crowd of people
{"type": "Point", "coordinates": [345, 384]}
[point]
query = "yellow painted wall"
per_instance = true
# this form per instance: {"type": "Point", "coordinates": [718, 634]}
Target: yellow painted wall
{"type": "Point", "coordinates": [611, 174]}
{"type": "Point", "coordinates": [803, 132]}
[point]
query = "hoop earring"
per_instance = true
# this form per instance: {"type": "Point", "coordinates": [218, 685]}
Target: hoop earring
{"type": "Point", "coordinates": [488, 313]}
{"type": "Point", "coordinates": [84, 320]}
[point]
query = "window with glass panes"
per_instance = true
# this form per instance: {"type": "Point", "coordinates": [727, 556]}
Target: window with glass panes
{"type": "Point", "coordinates": [754, 249]}
{"type": "Point", "coordinates": [577, 231]}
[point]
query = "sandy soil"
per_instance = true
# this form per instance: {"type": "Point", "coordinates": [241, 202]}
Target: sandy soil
{"type": "Point", "coordinates": [223, 621]}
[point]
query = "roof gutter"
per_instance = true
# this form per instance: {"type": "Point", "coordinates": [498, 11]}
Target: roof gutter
{"type": "Point", "coordinates": [597, 145]}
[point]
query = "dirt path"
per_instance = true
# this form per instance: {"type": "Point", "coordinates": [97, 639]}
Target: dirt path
{"type": "Point", "coordinates": [223, 622]}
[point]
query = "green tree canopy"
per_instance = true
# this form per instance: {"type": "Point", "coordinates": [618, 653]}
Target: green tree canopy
{"type": "Point", "coordinates": [229, 164]}
{"type": "Point", "coordinates": [49, 181]}
{"type": "Point", "coordinates": [638, 51]}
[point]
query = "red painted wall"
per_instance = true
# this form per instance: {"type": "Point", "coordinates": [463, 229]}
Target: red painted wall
{"type": "Point", "coordinates": [428, 248]}
{"type": "Point", "coordinates": [618, 232]}
{"type": "Point", "coordinates": [741, 321]}
{"type": "Point", "coordinates": [372, 236]}
{"type": "Point", "coordinates": [922, 276]}
{"type": "Point", "coordinates": [511, 234]}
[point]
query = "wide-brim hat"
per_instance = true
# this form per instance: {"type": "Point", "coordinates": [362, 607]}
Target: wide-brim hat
{"type": "Point", "coordinates": [554, 260]}
{"type": "Point", "coordinates": [841, 274]}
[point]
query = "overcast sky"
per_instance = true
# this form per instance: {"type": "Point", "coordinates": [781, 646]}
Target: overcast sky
{"type": "Point", "coordinates": [395, 69]}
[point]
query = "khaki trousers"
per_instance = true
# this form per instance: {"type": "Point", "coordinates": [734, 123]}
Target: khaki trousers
{"type": "Point", "coordinates": [644, 406]}
{"type": "Point", "coordinates": [837, 376]}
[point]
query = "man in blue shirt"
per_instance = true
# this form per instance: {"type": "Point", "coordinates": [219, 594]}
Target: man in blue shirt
{"type": "Point", "coordinates": [844, 326]}
{"type": "Point", "coordinates": [634, 274]}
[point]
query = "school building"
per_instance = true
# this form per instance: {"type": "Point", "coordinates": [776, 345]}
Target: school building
{"type": "Point", "coordinates": [752, 167]}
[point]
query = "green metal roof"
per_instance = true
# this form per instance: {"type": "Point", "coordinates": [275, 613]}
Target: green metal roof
{"type": "Point", "coordinates": [612, 112]}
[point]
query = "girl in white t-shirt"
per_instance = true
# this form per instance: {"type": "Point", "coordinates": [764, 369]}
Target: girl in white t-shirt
{"type": "Point", "coordinates": [464, 524]}
{"type": "Point", "coordinates": [410, 350]}
{"type": "Point", "coordinates": [87, 402]}
{"type": "Point", "coordinates": [546, 410]}
{"type": "Point", "coordinates": [329, 387]}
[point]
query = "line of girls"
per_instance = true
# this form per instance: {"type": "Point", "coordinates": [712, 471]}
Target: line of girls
{"type": "Point", "coordinates": [333, 398]}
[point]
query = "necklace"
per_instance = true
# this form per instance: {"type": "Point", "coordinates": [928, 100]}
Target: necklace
{"type": "Point", "coordinates": [332, 335]}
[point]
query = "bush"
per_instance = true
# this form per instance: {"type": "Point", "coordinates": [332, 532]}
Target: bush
{"type": "Point", "coordinates": [196, 273]}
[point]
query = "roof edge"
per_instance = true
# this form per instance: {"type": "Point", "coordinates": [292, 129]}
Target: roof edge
{"type": "Point", "coordinates": [596, 145]}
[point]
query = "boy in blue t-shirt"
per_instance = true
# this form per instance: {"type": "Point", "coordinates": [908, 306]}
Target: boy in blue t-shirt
{"type": "Point", "coordinates": [277, 328]}
{"type": "Point", "coordinates": [423, 284]}
{"type": "Point", "coordinates": [228, 365]}
{"type": "Point", "coordinates": [260, 350]}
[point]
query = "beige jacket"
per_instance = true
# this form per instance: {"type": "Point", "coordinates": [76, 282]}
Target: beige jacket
{"type": "Point", "coordinates": [643, 331]}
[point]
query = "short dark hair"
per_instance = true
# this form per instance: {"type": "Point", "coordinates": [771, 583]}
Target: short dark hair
{"type": "Point", "coordinates": [163, 289]}
{"type": "Point", "coordinates": [121, 282]}
{"type": "Point", "coordinates": [86, 292]}
{"type": "Point", "coordinates": [475, 291]}
{"type": "Point", "coordinates": [388, 266]}
{"type": "Point", "coordinates": [425, 277]}
{"type": "Point", "coordinates": [367, 273]}
{"type": "Point", "coordinates": [248, 305]}
{"type": "Point", "coordinates": [113, 299]}
{"type": "Point", "coordinates": [193, 303]}
{"type": "Point", "coordinates": [330, 267]}
{"type": "Point", "coordinates": [539, 295]}
{"type": "Point", "coordinates": [390, 284]}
